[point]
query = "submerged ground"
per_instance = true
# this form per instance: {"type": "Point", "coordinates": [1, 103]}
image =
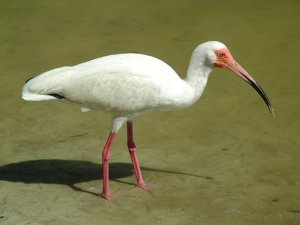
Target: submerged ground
{"type": "Point", "coordinates": [222, 161]}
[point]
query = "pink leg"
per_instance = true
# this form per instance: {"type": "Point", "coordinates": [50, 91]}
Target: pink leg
{"type": "Point", "coordinates": [134, 159]}
{"type": "Point", "coordinates": [105, 158]}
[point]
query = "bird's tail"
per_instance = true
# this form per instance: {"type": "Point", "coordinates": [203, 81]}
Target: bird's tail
{"type": "Point", "coordinates": [46, 86]}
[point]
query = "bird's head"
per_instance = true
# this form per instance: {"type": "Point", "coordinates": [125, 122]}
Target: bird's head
{"type": "Point", "coordinates": [219, 56]}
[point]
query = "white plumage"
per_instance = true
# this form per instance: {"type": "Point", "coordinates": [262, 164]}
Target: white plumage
{"type": "Point", "coordinates": [125, 84]}
{"type": "Point", "coordinates": [128, 85]}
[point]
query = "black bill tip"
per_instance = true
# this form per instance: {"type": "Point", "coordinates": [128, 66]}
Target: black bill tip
{"type": "Point", "coordinates": [261, 92]}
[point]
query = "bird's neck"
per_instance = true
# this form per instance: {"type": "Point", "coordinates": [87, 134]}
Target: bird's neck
{"type": "Point", "coordinates": [192, 87]}
{"type": "Point", "coordinates": [197, 76]}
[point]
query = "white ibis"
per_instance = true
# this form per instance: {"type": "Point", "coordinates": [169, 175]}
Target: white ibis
{"type": "Point", "coordinates": [128, 85]}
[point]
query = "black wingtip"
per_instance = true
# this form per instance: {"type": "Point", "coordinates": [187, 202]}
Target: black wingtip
{"type": "Point", "coordinates": [57, 96]}
{"type": "Point", "coordinates": [28, 79]}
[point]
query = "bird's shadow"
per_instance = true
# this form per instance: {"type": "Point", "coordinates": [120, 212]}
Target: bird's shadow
{"type": "Point", "coordinates": [68, 172]}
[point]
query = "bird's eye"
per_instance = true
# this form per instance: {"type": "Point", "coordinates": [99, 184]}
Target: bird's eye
{"type": "Point", "coordinates": [222, 54]}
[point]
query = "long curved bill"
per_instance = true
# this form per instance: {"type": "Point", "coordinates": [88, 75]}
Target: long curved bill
{"type": "Point", "coordinates": [242, 73]}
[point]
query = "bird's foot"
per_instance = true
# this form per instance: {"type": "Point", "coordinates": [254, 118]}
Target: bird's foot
{"type": "Point", "coordinates": [108, 196]}
{"type": "Point", "coordinates": [144, 186]}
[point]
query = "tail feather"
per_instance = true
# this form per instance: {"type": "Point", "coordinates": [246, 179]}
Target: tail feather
{"type": "Point", "coordinates": [36, 97]}
{"type": "Point", "coordinates": [46, 86]}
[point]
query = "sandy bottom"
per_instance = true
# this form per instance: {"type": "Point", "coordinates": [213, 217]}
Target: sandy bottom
{"type": "Point", "coordinates": [224, 161]}
{"type": "Point", "coordinates": [53, 175]}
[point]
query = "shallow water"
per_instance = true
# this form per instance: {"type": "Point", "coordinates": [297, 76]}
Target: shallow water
{"type": "Point", "coordinates": [222, 161]}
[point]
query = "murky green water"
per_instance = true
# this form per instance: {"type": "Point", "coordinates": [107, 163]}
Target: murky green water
{"type": "Point", "coordinates": [222, 161]}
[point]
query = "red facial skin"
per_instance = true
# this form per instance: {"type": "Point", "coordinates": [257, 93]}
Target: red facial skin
{"type": "Point", "coordinates": [223, 57]}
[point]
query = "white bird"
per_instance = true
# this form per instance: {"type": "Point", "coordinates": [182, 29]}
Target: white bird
{"type": "Point", "coordinates": [128, 85]}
